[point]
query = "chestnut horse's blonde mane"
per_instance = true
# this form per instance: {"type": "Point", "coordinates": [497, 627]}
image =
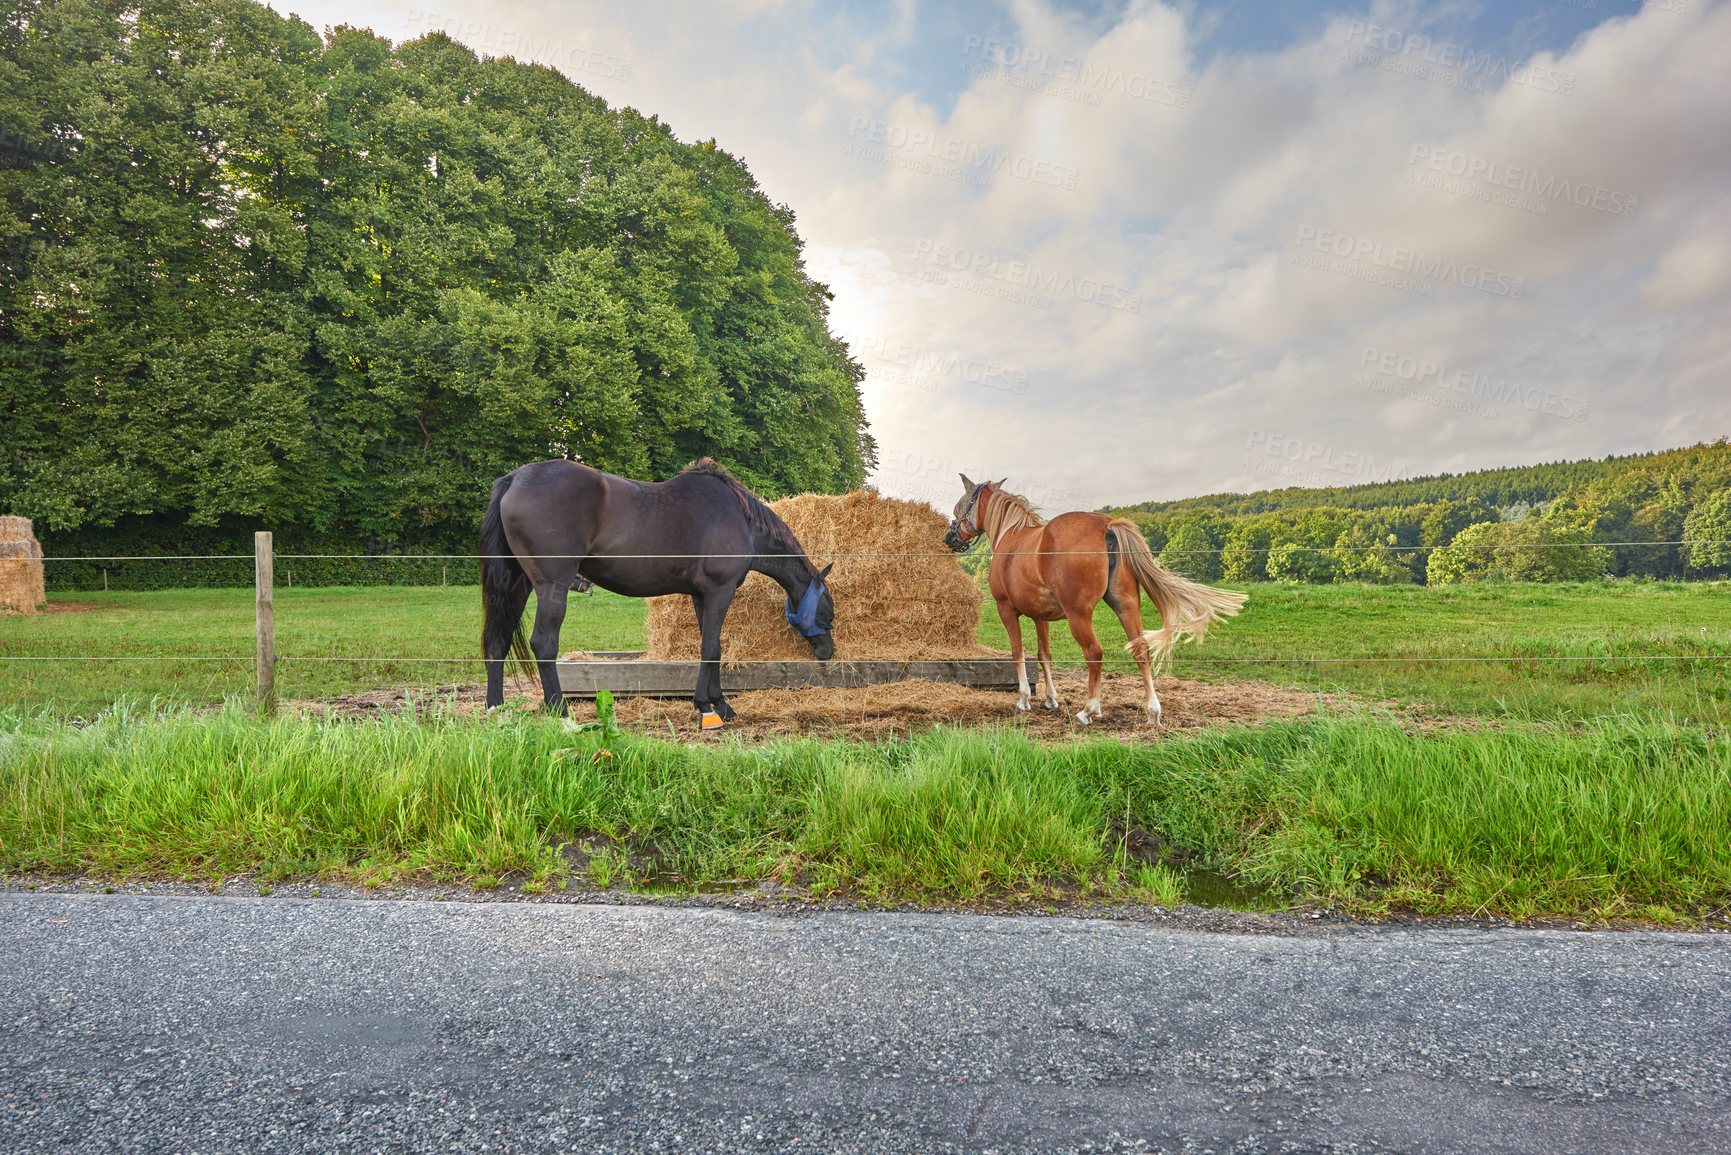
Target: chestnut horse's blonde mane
{"type": "Point", "coordinates": [1005, 512]}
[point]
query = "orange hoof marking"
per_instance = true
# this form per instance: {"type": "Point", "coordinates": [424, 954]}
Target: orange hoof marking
{"type": "Point", "coordinates": [711, 721]}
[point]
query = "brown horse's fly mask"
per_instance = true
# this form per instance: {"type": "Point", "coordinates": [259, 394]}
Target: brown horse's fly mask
{"type": "Point", "coordinates": [964, 527]}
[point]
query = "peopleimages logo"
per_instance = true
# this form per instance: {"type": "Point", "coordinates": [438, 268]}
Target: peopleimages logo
{"type": "Point", "coordinates": [1042, 283]}
{"type": "Point", "coordinates": [920, 367]}
{"type": "Point", "coordinates": [923, 150]}
{"type": "Point", "coordinates": [525, 46]}
{"type": "Point", "coordinates": [935, 479]}
{"type": "Point", "coordinates": [1446, 62]}
{"type": "Point", "coordinates": [1067, 77]}
{"type": "Point", "coordinates": [1527, 181]}
{"type": "Point", "coordinates": [1294, 457]}
{"type": "Point", "coordinates": [1421, 375]}
{"type": "Point", "coordinates": [1362, 255]}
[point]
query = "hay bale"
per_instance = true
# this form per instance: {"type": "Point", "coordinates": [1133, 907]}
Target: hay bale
{"type": "Point", "coordinates": [906, 597]}
{"type": "Point", "coordinates": [22, 587]}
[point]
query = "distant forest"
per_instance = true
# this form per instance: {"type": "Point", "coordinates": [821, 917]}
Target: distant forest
{"type": "Point", "coordinates": [1568, 520]}
{"type": "Point", "coordinates": [254, 278]}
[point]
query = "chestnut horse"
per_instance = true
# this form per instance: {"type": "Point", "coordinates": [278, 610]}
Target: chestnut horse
{"type": "Point", "coordinates": [1063, 569]}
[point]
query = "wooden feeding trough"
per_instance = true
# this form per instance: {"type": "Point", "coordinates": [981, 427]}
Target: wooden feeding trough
{"type": "Point", "coordinates": [626, 673]}
{"type": "Point", "coordinates": [904, 610]}
{"type": "Point", "coordinates": [900, 595]}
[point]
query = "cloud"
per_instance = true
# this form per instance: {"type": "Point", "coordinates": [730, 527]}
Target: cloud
{"type": "Point", "coordinates": [1171, 255]}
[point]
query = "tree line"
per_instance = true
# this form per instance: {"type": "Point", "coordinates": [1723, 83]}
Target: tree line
{"type": "Point", "coordinates": [1567, 521]}
{"type": "Point", "coordinates": [254, 277]}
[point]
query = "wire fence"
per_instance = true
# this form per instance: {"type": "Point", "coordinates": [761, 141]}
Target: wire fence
{"type": "Point", "coordinates": [1110, 659]}
{"type": "Point", "coordinates": [843, 663]}
{"type": "Point", "coordinates": [1216, 551]}
{"type": "Point", "coordinates": [1307, 563]}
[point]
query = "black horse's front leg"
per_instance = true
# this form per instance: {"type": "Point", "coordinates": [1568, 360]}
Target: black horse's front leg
{"type": "Point", "coordinates": [699, 693]}
{"type": "Point", "coordinates": [544, 641]}
{"type": "Point", "coordinates": [711, 613]}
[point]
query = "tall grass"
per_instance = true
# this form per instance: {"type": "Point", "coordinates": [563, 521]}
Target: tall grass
{"type": "Point", "coordinates": [1623, 816]}
{"type": "Point", "coordinates": [1620, 817]}
{"type": "Point", "coordinates": [961, 814]}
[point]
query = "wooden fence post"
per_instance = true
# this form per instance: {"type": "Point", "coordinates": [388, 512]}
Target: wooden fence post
{"type": "Point", "coordinates": [264, 566]}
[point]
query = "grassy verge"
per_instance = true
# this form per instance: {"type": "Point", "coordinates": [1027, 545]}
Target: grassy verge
{"type": "Point", "coordinates": [1615, 819]}
{"type": "Point", "coordinates": [1523, 626]}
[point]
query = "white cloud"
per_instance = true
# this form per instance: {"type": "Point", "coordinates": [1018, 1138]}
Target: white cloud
{"type": "Point", "coordinates": [1560, 226]}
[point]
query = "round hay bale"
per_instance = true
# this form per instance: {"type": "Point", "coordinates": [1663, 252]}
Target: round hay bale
{"type": "Point", "coordinates": [22, 587]}
{"type": "Point", "coordinates": [898, 592]}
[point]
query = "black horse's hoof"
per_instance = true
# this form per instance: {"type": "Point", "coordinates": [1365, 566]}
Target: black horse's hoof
{"type": "Point", "coordinates": [722, 708]}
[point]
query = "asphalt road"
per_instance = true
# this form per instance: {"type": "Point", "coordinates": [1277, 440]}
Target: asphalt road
{"type": "Point", "coordinates": [218, 1024]}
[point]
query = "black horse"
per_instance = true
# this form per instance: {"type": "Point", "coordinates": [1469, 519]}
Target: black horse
{"type": "Point", "coordinates": [555, 523]}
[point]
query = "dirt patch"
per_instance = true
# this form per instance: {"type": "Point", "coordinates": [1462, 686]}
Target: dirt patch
{"type": "Point", "coordinates": [72, 608]}
{"type": "Point", "coordinates": [464, 700]}
{"type": "Point", "coordinates": [875, 713]}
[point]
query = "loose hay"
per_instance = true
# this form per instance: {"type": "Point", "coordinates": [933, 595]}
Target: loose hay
{"type": "Point", "coordinates": [878, 713]}
{"type": "Point", "coordinates": [897, 709]}
{"type": "Point", "coordinates": [898, 593]}
{"type": "Point", "coordinates": [22, 586]}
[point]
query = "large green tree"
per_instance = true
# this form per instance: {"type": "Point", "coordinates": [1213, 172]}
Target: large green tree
{"type": "Point", "coordinates": [1532, 549]}
{"type": "Point", "coordinates": [1708, 533]}
{"type": "Point", "coordinates": [252, 277]}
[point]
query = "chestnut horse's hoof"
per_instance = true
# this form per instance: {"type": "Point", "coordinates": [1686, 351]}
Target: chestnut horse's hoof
{"type": "Point", "coordinates": [1084, 718]}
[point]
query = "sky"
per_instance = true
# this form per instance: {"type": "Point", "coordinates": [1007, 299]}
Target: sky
{"type": "Point", "coordinates": [1142, 251]}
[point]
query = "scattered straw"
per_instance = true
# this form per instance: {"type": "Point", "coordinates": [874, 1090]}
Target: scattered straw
{"type": "Point", "coordinates": [877, 713]}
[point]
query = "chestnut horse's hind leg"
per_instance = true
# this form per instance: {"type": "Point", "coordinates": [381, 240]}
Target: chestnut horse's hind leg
{"type": "Point", "coordinates": [1082, 629]}
{"type": "Point", "coordinates": [544, 641]}
{"type": "Point", "coordinates": [1013, 626]}
{"type": "Point", "coordinates": [1043, 631]}
{"type": "Point", "coordinates": [1130, 613]}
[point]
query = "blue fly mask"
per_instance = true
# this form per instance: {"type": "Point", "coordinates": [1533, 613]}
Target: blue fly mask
{"type": "Point", "coordinates": [804, 619]}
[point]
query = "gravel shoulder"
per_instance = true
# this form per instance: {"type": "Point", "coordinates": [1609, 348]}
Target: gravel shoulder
{"type": "Point", "coordinates": [774, 899]}
{"type": "Point", "coordinates": [208, 1023]}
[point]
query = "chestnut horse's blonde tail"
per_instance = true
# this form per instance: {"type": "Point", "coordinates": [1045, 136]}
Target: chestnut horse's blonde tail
{"type": "Point", "coordinates": [1186, 608]}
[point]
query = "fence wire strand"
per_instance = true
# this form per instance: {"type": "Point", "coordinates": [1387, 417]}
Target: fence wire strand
{"type": "Point", "coordinates": [834, 663]}
{"type": "Point", "coordinates": [1068, 663]}
{"type": "Point", "coordinates": [1222, 550]}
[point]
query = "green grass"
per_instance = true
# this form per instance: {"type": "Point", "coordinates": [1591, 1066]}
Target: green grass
{"type": "Point", "coordinates": [1523, 625]}
{"type": "Point", "coordinates": [1526, 625]}
{"type": "Point", "coordinates": [370, 622]}
{"type": "Point", "coordinates": [1617, 819]}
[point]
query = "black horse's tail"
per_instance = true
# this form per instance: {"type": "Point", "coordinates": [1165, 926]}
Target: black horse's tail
{"type": "Point", "coordinates": [504, 589]}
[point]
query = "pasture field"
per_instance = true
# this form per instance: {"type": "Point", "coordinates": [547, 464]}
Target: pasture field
{"type": "Point", "coordinates": [388, 632]}
{"type": "Point", "coordinates": [1617, 819]}
{"type": "Point", "coordinates": [1590, 787]}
